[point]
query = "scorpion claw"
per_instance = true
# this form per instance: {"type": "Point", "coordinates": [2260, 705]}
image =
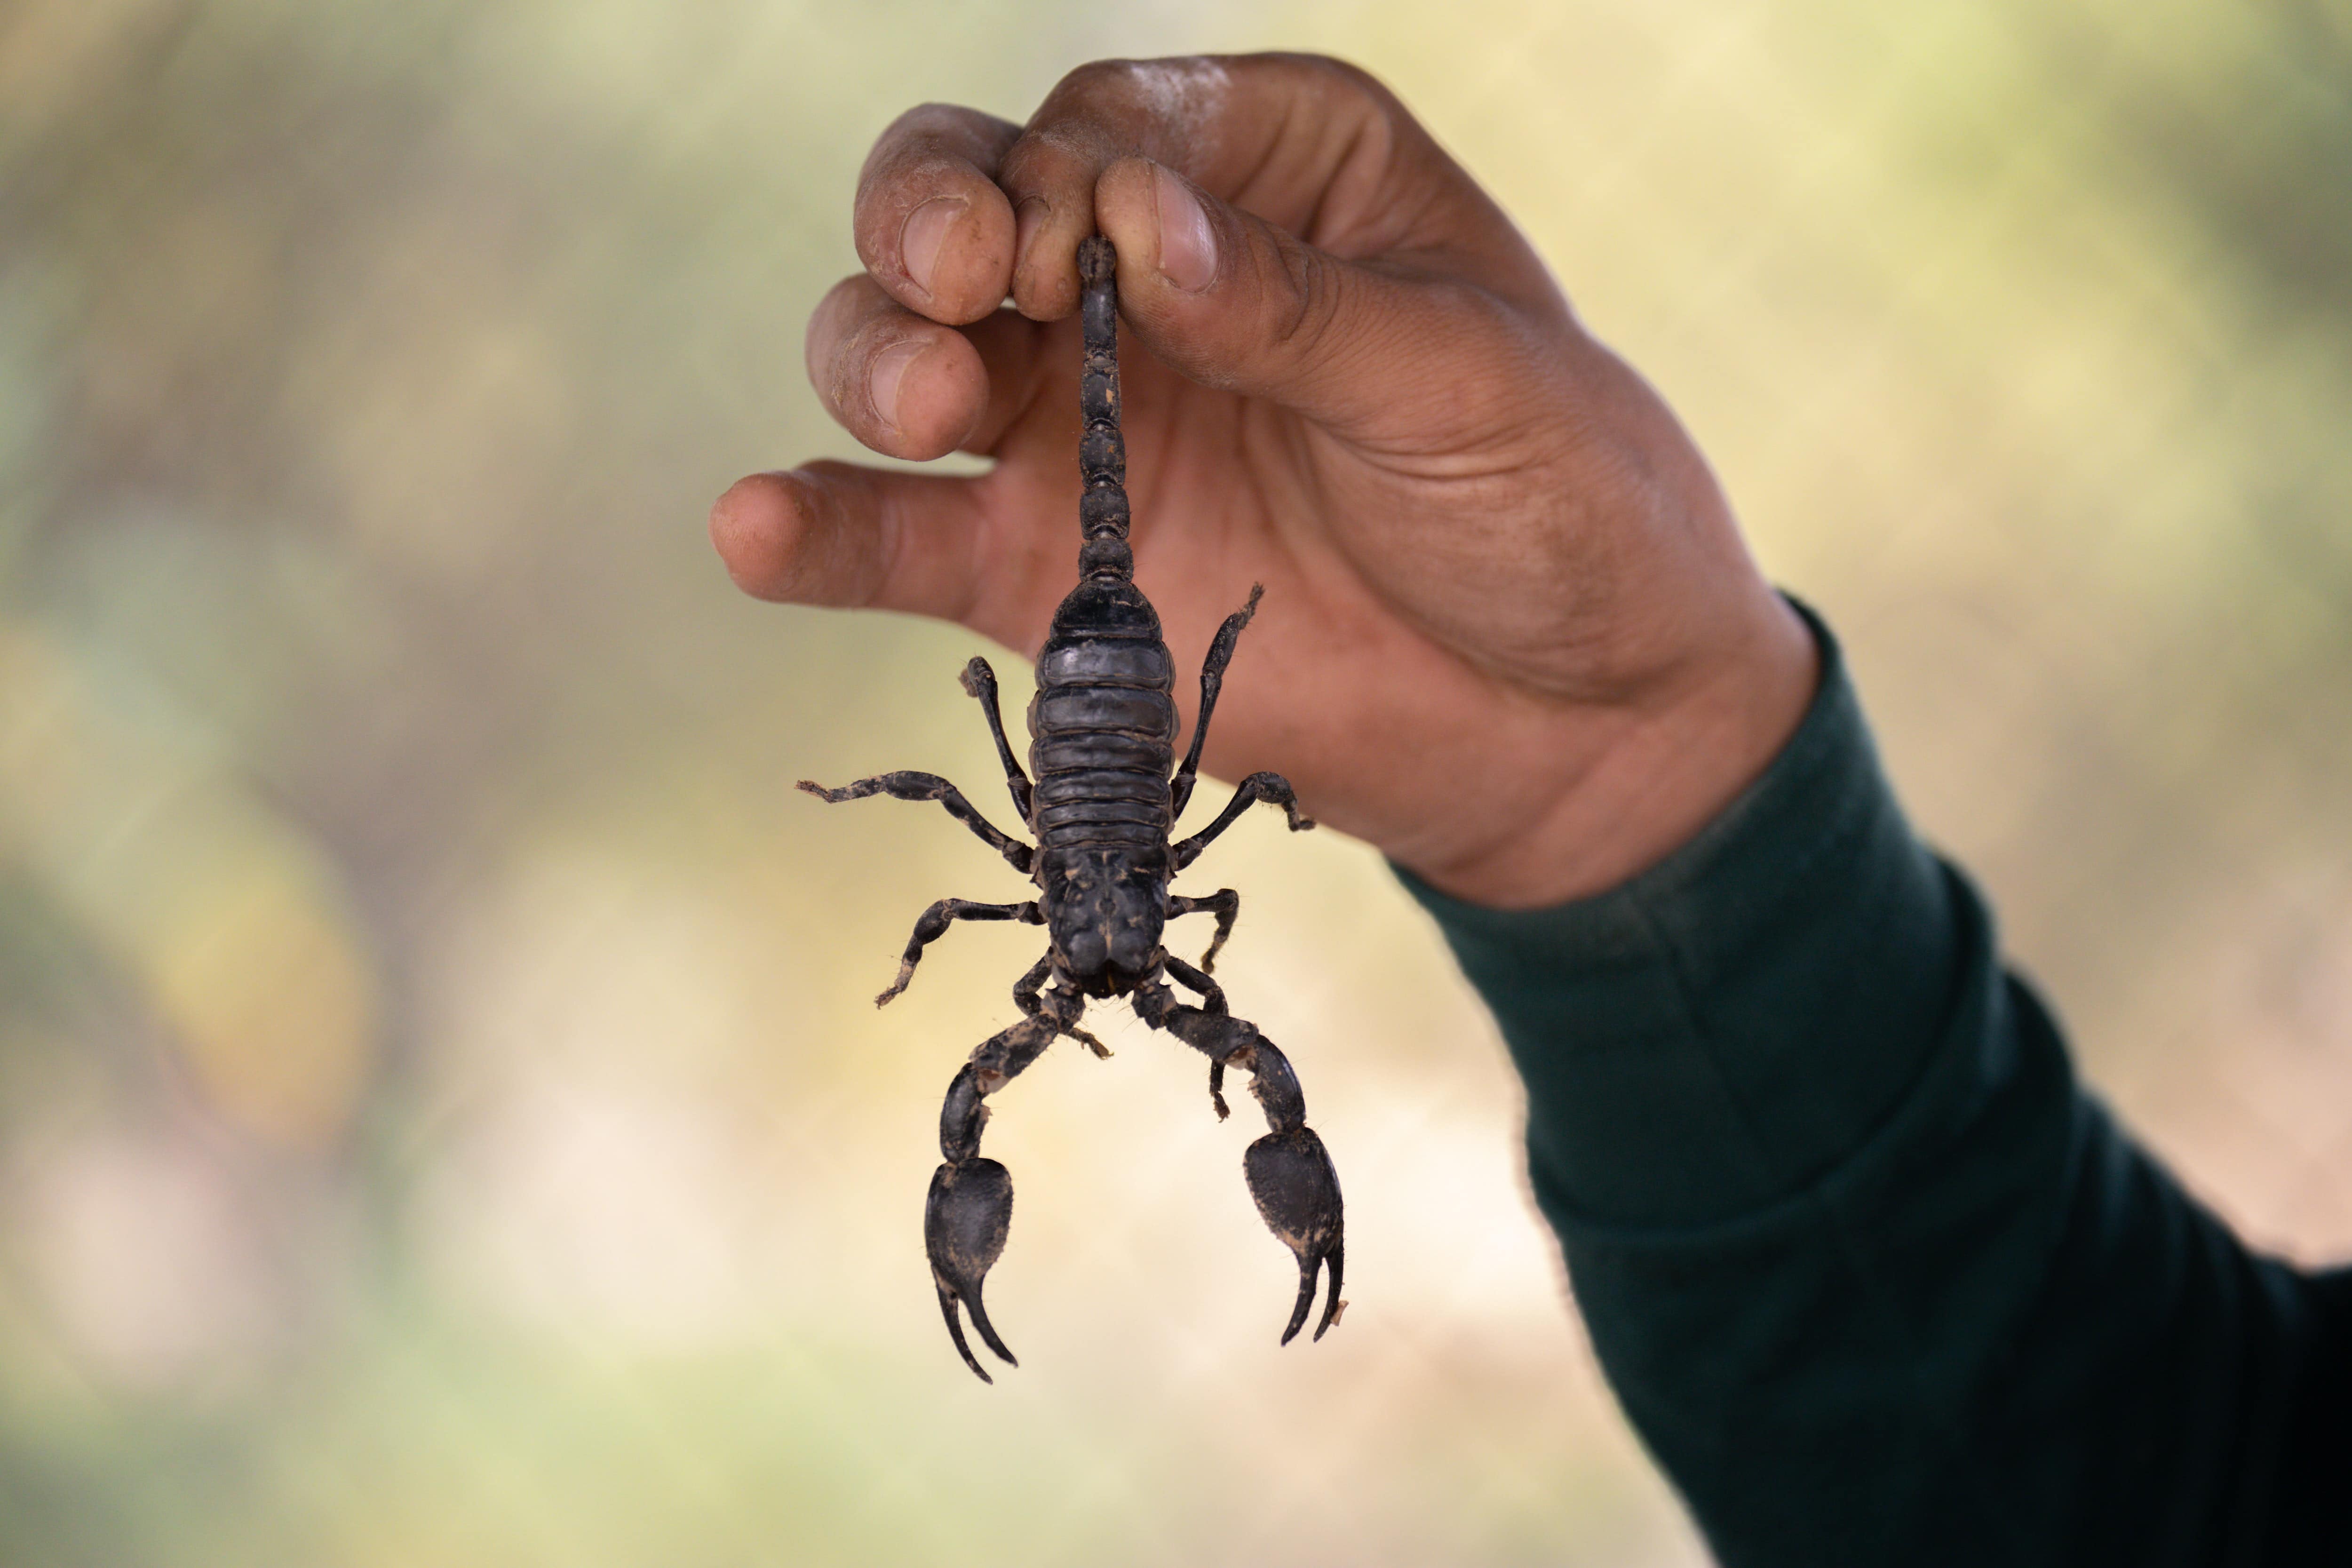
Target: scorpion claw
{"type": "Point", "coordinates": [1298, 1195]}
{"type": "Point", "coordinates": [1333, 1303]}
{"type": "Point", "coordinates": [988, 1330]}
{"type": "Point", "coordinates": [965, 1219]}
{"type": "Point", "coordinates": [955, 1332]}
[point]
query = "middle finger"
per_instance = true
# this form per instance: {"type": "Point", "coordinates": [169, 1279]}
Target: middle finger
{"type": "Point", "coordinates": [908, 387]}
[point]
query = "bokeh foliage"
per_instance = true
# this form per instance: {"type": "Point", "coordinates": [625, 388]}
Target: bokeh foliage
{"type": "Point", "coordinates": [442, 1118]}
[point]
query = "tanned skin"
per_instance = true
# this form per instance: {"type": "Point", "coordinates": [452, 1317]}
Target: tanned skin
{"type": "Point", "coordinates": [1522, 649]}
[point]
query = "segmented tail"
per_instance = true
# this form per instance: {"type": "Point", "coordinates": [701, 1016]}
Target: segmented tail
{"type": "Point", "coordinates": [1102, 450]}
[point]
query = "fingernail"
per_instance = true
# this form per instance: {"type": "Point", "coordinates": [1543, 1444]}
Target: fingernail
{"type": "Point", "coordinates": [925, 230]}
{"type": "Point", "coordinates": [1028, 220]}
{"type": "Point", "coordinates": [1188, 246]}
{"type": "Point", "coordinates": [889, 375]}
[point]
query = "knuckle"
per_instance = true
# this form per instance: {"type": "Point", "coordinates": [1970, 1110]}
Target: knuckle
{"type": "Point", "coordinates": [1307, 68]}
{"type": "Point", "coordinates": [1044, 162]}
{"type": "Point", "coordinates": [1337, 83]}
{"type": "Point", "coordinates": [892, 146]}
{"type": "Point", "coordinates": [1155, 107]}
{"type": "Point", "coordinates": [1099, 82]}
{"type": "Point", "coordinates": [929, 131]}
{"type": "Point", "coordinates": [1342, 83]}
{"type": "Point", "coordinates": [922, 119]}
{"type": "Point", "coordinates": [1353, 79]}
{"type": "Point", "coordinates": [1312, 291]}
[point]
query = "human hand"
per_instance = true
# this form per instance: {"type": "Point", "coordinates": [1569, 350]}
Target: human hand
{"type": "Point", "coordinates": [1510, 635]}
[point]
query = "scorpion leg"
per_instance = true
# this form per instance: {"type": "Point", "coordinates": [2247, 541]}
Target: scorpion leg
{"type": "Point", "coordinates": [1213, 679]}
{"type": "Point", "coordinates": [969, 1209]}
{"type": "Point", "coordinates": [1213, 995]}
{"type": "Point", "coordinates": [1270, 788]}
{"type": "Point", "coordinates": [1225, 903]}
{"type": "Point", "coordinates": [930, 786]}
{"type": "Point", "coordinates": [979, 682]}
{"type": "Point", "coordinates": [1289, 1171]}
{"type": "Point", "coordinates": [1193, 979]}
{"type": "Point", "coordinates": [1063, 1007]}
{"type": "Point", "coordinates": [933, 923]}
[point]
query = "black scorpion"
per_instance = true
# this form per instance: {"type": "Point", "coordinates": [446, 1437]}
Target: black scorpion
{"type": "Point", "coordinates": [1102, 734]}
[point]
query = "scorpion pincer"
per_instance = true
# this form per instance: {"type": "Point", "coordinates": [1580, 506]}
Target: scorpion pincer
{"type": "Point", "coordinates": [1103, 804]}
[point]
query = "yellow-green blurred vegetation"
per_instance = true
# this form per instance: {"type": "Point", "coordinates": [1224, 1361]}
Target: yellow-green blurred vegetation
{"type": "Point", "coordinates": [443, 1119]}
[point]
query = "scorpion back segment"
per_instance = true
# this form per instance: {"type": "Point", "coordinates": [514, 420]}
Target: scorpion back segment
{"type": "Point", "coordinates": [1102, 736]}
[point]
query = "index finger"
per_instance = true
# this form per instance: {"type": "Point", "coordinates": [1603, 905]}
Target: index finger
{"type": "Point", "coordinates": [1314, 146]}
{"type": "Point", "coordinates": [932, 225]}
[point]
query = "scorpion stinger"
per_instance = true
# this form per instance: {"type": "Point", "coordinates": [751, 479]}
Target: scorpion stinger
{"type": "Point", "coordinates": [1104, 801]}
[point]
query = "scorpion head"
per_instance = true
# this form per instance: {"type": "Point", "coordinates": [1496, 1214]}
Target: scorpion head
{"type": "Point", "coordinates": [1106, 908]}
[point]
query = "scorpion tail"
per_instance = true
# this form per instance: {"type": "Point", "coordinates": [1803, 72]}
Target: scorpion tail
{"type": "Point", "coordinates": [1103, 512]}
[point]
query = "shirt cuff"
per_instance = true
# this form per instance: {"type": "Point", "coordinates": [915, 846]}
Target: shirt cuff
{"type": "Point", "coordinates": [1711, 1036]}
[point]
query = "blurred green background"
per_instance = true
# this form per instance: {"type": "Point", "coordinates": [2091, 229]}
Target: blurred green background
{"type": "Point", "coordinates": [442, 1116]}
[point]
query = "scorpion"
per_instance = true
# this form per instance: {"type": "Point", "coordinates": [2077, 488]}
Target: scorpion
{"type": "Point", "coordinates": [1102, 732]}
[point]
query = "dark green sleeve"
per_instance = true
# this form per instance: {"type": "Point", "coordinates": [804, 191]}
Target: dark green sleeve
{"type": "Point", "coordinates": [1876, 1280]}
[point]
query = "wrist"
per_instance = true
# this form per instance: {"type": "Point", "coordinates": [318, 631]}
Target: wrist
{"type": "Point", "coordinates": [1639, 780]}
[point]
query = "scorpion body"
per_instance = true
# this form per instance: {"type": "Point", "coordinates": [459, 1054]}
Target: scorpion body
{"type": "Point", "coordinates": [1103, 805]}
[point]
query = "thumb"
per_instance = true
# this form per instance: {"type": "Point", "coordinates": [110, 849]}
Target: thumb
{"type": "Point", "coordinates": [1369, 350]}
